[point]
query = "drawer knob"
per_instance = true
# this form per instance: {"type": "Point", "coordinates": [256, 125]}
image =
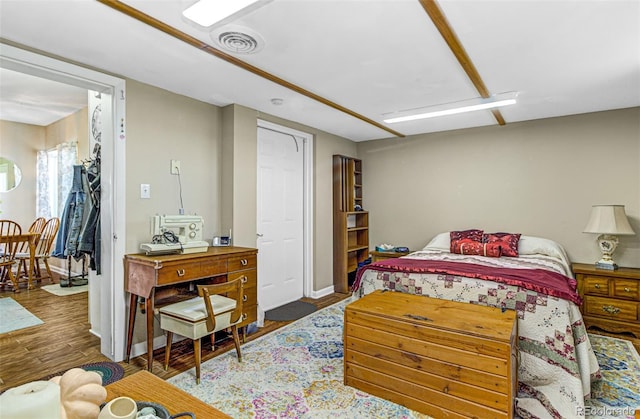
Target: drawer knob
{"type": "Point", "coordinates": [243, 262]}
{"type": "Point", "coordinates": [180, 272]}
{"type": "Point", "coordinates": [244, 316]}
{"type": "Point", "coordinates": [611, 309]}
{"type": "Point", "coordinates": [626, 289]}
{"type": "Point", "coordinates": [244, 279]}
{"type": "Point", "coordinates": [597, 286]}
{"type": "Point", "coordinates": [244, 298]}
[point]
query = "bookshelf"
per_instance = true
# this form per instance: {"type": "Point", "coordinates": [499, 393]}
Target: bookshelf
{"type": "Point", "coordinates": [350, 225]}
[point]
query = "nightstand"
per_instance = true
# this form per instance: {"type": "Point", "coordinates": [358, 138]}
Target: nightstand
{"type": "Point", "coordinates": [611, 299]}
{"type": "Point", "coordinates": [376, 255]}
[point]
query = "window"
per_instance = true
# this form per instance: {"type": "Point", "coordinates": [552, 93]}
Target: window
{"type": "Point", "coordinates": [54, 170]}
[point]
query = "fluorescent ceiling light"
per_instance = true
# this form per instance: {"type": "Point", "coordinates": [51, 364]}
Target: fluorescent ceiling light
{"type": "Point", "coordinates": [503, 99]}
{"type": "Point", "coordinates": [208, 12]}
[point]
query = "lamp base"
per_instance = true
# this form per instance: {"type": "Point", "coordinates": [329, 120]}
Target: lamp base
{"type": "Point", "coordinates": [606, 266]}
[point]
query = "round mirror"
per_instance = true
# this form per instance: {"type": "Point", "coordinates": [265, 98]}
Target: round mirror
{"type": "Point", "coordinates": [10, 175]}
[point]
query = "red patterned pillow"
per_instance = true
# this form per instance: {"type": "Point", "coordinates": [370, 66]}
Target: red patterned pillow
{"type": "Point", "coordinates": [470, 235]}
{"type": "Point", "coordinates": [507, 241]}
{"type": "Point", "coordinates": [470, 247]}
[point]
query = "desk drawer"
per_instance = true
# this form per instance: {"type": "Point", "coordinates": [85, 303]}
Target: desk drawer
{"type": "Point", "coordinates": [173, 273]}
{"type": "Point", "coordinates": [251, 278]}
{"type": "Point", "coordinates": [213, 267]}
{"type": "Point", "coordinates": [238, 263]}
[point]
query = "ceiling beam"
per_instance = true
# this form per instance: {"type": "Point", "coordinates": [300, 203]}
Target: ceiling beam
{"type": "Point", "coordinates": [442, 24]}
{"type": "Point", "coordinates": [170, 30]}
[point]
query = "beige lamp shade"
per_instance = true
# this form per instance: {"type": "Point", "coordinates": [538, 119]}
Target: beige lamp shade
{"type": "Point", "coordinates": [608, 219]}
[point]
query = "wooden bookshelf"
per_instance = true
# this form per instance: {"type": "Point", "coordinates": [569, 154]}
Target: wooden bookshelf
{"type": "Point", "coordinates": [350, 226]}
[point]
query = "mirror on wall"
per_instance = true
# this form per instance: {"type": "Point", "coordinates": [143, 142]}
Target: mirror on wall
{"type": "Point", "coordinates": [10, 175]}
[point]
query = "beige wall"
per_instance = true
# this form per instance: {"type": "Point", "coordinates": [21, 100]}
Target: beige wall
{"type": "Point", "coordinates": [20, 143]}
{"type": "Point", "coordinates": [163, 126]}
{"type": "Point", "coordinates": [538, 178]}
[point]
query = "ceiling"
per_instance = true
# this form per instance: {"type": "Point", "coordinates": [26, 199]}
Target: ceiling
{"type": "Point", "coordinates": [343, 66]}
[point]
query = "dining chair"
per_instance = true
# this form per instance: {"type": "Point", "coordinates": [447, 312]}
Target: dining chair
{"type": "Point", "coordinates": [8, 246]}
{"type": "Point", "coordinates": [43, 251]}
{"type": "Point", "coordinates": [23, 248]}
{"type": "Point", "coordinates": [204, 315]}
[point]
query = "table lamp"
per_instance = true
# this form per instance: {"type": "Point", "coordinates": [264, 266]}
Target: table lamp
{"type": "Point", "coordinates": [609, 221]}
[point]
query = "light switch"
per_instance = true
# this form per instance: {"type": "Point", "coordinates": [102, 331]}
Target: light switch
{"type": "Point", "coordinates": [145, 191]}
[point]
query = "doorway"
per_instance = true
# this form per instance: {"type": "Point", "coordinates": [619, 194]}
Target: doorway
{"type": "Point", "coordinates": [283, 215]}
{"type": "Point", "coordinates": [109, 290]}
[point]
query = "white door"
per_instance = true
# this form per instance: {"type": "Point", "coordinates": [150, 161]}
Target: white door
{"type": "Point", "coordinates": [280, 221]}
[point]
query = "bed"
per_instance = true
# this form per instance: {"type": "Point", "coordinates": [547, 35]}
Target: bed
{"type": "Point", "coordinates": [534, 278]}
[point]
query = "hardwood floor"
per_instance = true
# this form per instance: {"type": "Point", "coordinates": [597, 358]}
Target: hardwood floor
{"type": "Point", "coordinates": [64, 341]}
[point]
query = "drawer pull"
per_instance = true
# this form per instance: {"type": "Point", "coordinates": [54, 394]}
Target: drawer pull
{"type": "Point", "coordinates": [244, 298]}
{"type": "Point", "coordinates": [180, 272]}
{"type": "Point", "coordinates": [244, 279]}
{"type": "Point", "coordinates": [627, 289]}
{"type": "Point", "coordinates": [243, 262]}
{"type": "Point", "coordinates": [611, 309]}
{"type": "Point", "coordinates": [597, 286]}
{"type": "Point", "coordinates": [244, 316]}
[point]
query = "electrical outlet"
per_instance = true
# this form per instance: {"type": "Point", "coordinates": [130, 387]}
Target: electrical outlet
{"type": "Point", "coordinates": [175, 167]}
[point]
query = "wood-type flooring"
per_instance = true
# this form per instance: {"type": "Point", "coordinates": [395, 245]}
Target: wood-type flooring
{"type": "Point", "coordinates": [64, 340]}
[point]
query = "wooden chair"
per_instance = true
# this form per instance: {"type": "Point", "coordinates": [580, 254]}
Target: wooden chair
{"type": "Point", "coordinates": [204, 315]}
{"type": "Point", "coordinates": [8, 247]}
{"type": "Point", "coordinates": [36, 227]}
{"type": "Point", "coordinates": [43, 251]}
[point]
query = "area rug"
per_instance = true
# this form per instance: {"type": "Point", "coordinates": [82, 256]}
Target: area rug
{"type": "Point", "coordinates": [56, 289]}
{"type": "Point", "coordinates": [297, 372]}
{"type": "Point", "coordinates": [292, 311]}
{"type": "Point", "coordinates": [618, 393]}
{"type": "Point", "coordinates": [15, 317]}
{"type": "Point", "coordinates": [109, 371]}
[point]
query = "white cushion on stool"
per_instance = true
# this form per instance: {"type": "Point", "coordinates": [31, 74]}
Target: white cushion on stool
{"type": "Point", "coordinates": [189, 318]}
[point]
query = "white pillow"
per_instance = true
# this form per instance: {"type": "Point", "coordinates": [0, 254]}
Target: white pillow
{"type": "Point", "coordinates": [529, 245]}
{"type": "Point", "coordinates": [441, 241]}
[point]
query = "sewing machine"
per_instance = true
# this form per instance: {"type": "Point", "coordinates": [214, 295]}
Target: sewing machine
{"type": "Point", "coordinates": [175, 234]}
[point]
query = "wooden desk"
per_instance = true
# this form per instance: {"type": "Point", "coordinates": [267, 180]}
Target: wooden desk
{"type": "Point", "coordinates": [32, 241]}
{"type": "Point", "coordinates": [146, 387]}
{"type": "Point", "coordinates": [164, 279]}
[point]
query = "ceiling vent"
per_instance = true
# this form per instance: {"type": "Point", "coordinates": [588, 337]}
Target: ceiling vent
{"type": "Point", "coordinates": [238, 40]}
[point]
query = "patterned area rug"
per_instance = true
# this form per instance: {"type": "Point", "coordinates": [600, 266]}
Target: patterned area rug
{"type": "Point", "coordinates": [618, 393]}
{"type": "Point", "coordinates": [15, 317]}
{"type": "Point", "coordinates": [297, 371]}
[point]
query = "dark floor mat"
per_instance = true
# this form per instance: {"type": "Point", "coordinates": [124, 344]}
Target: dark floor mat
{"type": "Point", "coordinates": [291, 311]}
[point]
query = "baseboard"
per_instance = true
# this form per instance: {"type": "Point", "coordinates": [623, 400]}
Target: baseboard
{"type": "Point", "coordinates": [64, 272]}
{"type": "Point", "coordinates": [322, 293]}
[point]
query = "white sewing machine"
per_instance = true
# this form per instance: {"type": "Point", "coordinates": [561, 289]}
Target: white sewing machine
{"type": "Point", "coordinates": [175, 234]}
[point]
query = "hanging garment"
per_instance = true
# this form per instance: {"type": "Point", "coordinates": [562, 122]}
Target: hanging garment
{"type": "Point", "coordinates": [89, 240]}
{"type": "Point", "coordinates": [72, 215]}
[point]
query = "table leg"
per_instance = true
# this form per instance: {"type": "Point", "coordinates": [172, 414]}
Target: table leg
{"type": "Point", "coordinates": [149, 309]}
{"type": "Point", "coordinates": [32, 254]}
{"type": "Point", "coordinates": [133, 308]}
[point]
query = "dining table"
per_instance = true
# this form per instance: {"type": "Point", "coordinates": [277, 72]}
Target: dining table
{"type": "Point", "coordinates": [31, 239]}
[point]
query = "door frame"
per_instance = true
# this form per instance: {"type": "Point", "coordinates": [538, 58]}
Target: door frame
{"type": "Point", "coordinates": [307, 149]}
{"type": "Point", "coordinates": [113, 311]}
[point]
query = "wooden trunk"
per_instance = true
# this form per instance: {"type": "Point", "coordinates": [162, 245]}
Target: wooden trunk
{"type": "Point", "coordinates": [443, 358]}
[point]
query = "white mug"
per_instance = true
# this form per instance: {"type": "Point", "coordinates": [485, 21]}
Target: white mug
{"type": "Point", "coordinates": [119, 408]}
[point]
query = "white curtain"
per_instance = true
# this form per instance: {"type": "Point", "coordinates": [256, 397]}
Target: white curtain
{"type": "Point", "coordinates": [54, 171]}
